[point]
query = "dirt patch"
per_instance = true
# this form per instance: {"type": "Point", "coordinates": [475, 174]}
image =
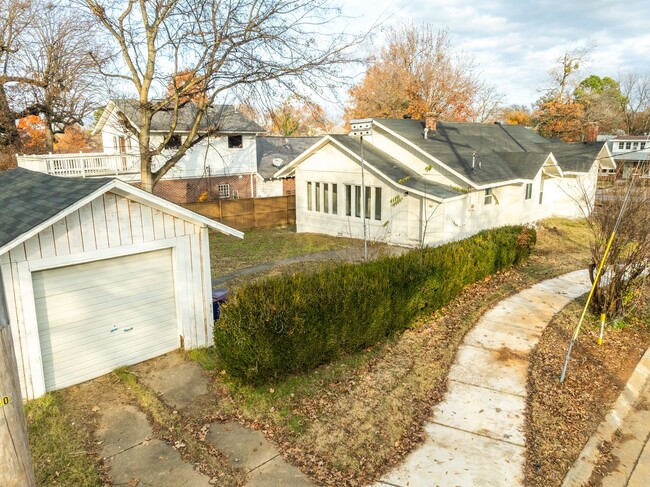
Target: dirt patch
{"type": "Point", "coordinates": [506, 355]}
{"type": "Point", "coordinates": [561, 418]}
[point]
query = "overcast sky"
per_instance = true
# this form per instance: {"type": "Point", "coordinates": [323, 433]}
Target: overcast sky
{"type": "Point", "coordinates": [515, 42]}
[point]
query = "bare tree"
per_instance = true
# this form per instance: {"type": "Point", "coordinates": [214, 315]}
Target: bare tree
{"type": "Point", "coordinates": [15, 17]}
{"type": "Point", "coordinates": [564, 74]}
{"type": "Point", "coordinates": [61, 56]}
{"type": "Point", "coordinates": [221, 48]}
{"type": "Point", "coordinates": [636, 89]}
{"type": "Point", "coordinates": [627, 263]}
{"type": "Point", "coordinates": [47, 69]}
{"type": "Point", "coordinates": [487, 104]}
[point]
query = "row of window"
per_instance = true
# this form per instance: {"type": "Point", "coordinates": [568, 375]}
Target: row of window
{"type": "Point", "coordinates": [631, 145]}
{"type": "Point", "coordinates": [489, 197]}
{"type": "Point", "coordinates": [323, 197]}
{"type": "Point", "coordinates": [234, 142]}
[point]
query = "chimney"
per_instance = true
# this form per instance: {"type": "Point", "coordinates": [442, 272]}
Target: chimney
{"type": "Point", "coordinates": [591, 132]}
{"type": "Point", "coordinates": [431, 119]}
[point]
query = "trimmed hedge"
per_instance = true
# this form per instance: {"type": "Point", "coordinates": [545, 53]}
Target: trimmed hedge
{"type": "Point", "coordinates": [285, 324]}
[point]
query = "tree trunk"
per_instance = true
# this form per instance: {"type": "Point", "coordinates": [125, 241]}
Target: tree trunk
{"type": "Point", "coordinates": [49, 136]}
{"type": "Point", "coordinates": [9, 136]}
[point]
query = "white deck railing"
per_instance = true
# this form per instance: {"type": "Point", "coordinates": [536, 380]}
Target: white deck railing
{"type": "Point", "coordinates": [82, 164]}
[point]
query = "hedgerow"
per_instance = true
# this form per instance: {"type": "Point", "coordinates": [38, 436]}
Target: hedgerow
{"type": "Point", "coordinates": [289, 323]}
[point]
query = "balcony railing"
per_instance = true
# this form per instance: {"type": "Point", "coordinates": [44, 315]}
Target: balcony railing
{"type": "Point", "coordinates": [82, 164]}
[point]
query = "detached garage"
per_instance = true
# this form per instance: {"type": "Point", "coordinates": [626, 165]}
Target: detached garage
{"type": "Point", "coordinates": [97, 275]}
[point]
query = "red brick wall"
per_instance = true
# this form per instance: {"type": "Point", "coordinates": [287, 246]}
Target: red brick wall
{"type": "Point", "coordinates": [190, 190]}
{"type": "Point", "coordinates": [289, 186]}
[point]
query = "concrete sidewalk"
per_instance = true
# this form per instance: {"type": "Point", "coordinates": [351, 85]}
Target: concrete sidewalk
{"type": "Point", "coordinates": [476, 435]}
{"type": "Point", "coordinates": [627, 428]}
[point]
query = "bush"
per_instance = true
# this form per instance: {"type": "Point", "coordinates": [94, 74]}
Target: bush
{"type": "Point", "coordinates": [290, 323]}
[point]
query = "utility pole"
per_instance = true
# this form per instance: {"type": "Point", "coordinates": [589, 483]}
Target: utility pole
{"type": "Point", "coordinates": [360, 128]}
{"type": "Point", "coordinates": [15, 461]}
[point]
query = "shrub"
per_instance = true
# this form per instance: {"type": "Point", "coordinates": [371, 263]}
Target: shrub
{"type": "Point", "coordinates": [289, 323]}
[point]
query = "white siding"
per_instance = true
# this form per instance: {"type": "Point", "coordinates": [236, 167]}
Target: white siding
{"type": "Point", "coordinates": [413, 221]}
{"type": "Point", "coordinates": [111, 226]}
{"type": "Point", "coordinates": [211, 157]}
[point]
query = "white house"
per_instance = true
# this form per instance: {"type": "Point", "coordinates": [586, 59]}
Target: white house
{"type": "Point", "coordinates": [235, 162]}
{"type": "Point", "coordinates": [632, 155]}
{"type": "Point", "coordinates": [99, 274]}
{"type": "Point", "coordinates": [429, 183]}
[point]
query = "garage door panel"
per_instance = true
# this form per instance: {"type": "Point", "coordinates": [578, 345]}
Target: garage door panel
{"type": "Point", "coordinates": [99, 284]}
{"type": "Point", "coordinates": [94, 281]}
{"type": "Point", "coordinates": [77, 306]}
{"type": "Point", "coordinates": [77, 336]}
{"type": "Point", "coordinates": [102, 358]}
{"type": "Point", "coordinates": [105, 308]}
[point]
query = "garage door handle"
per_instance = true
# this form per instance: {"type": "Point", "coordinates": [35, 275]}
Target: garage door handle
{"type": "Point", "coordinates": [128, 329]}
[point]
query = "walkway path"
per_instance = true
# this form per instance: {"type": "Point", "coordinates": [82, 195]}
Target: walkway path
{"type": "Point", "coordinates": [630, 463]}
{"type": "Point", "coordinates": [352, 254]}
{"type": "Point", "coordinates": [476, 435]}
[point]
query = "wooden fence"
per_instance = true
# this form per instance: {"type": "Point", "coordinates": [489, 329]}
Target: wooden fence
{"type": "Point", "coordinates": [249, 213]}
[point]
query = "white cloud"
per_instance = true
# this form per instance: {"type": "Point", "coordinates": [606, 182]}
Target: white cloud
{"type": "Point", "coordinates": [515, 43]}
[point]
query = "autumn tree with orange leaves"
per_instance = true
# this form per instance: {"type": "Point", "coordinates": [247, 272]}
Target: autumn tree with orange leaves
{"type": "Point", "coordinates": [298, 116]}
{"type": "Point", "coordinates": [560, 120]}
{"type": "Point", "coordinates": [418, 72]}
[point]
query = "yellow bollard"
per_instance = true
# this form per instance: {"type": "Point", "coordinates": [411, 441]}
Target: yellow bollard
{"type": "Point", "coordinates": [603, 317]}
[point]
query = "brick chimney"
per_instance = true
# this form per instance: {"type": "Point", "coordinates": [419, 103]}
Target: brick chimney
{"type": "Point", "coordinates": [431, 119]}
{"type": "Point", "coordinates": [591, 134]}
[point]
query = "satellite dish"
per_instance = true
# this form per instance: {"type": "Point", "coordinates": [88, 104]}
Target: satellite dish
{"type": "Point", "coordinates": [277, 162]}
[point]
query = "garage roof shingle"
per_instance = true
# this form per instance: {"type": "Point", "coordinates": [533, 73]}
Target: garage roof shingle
{"type": "Point", "coordinates": [29, 198]}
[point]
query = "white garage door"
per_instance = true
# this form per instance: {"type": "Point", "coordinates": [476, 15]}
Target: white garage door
{"type": "Point", "coordinates": [97, 316]}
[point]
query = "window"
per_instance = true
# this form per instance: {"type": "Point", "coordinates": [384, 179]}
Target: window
{"type": "Point", "coordinates": [377, 203]}
{"type": "Point", "coordinates": [487, 200]}
{"type": "Point", "coordinates": [235, 142]}
{"type": "Point", "coordinates": [529, 191]}
{"type": "Point", "coordinates": [317, 196]}
{"type": "Point", "coordinates": [621, 145]}
{"type": "Point", "coordinates": [224, 190]}
{"type": "Point", "coordinates": [635, 145]}
{"type": "Point", "coordinates": [357, 200]}
{"type": "Point", "coordinates": [335, 200]}
{"type": "Point", "coordinates": [541, 191]}
{"type": "Point", "coordinates": [368, 195]}
{"type": "Point", "coordinates": [174, 142]}
{"type": "Point", "coordinates": [628, 145]}
{"type": "Point", "coordinates": [348, 200]}
{"type": "Point", "coordinates": [309, 196]}
{"type": "Point", "coordinates": [326, 198]}
{"type": "Point", "coordinates": [642, 145]}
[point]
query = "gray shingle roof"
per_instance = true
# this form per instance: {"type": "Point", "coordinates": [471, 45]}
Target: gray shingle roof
{"type": "Point", "coordinates": [506, 152]}
{"type": "Point", "coordinates": [225, 118]}
{"type": "Point", "coordinates": [29, 198]}
{"type": "Point", "coordinates": [284, 148]}
{"type": "Point", "coordinates": [377, 160]}
{"type": "Point", "coordinates": [575, 156]}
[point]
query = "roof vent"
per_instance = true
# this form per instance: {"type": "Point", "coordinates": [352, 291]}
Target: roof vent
{"type": "Point", "coordinates": [407, 116]}
{"type": "Point", "coordinates": [277, 162]}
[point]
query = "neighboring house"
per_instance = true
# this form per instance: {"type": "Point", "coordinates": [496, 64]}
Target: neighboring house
{"type": "Point", "coordinates": [223, 165]}
{"type": "Point", "coordinates": [432, 183]}
{"type": "Point", "coordinates": [99, 274]}
{"type": "Point", "coordinates": [632, 155]}
{"type": "Point", "coordinates": [234, 163]}
{"type": "Point", "coordinates": [272, 154]}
